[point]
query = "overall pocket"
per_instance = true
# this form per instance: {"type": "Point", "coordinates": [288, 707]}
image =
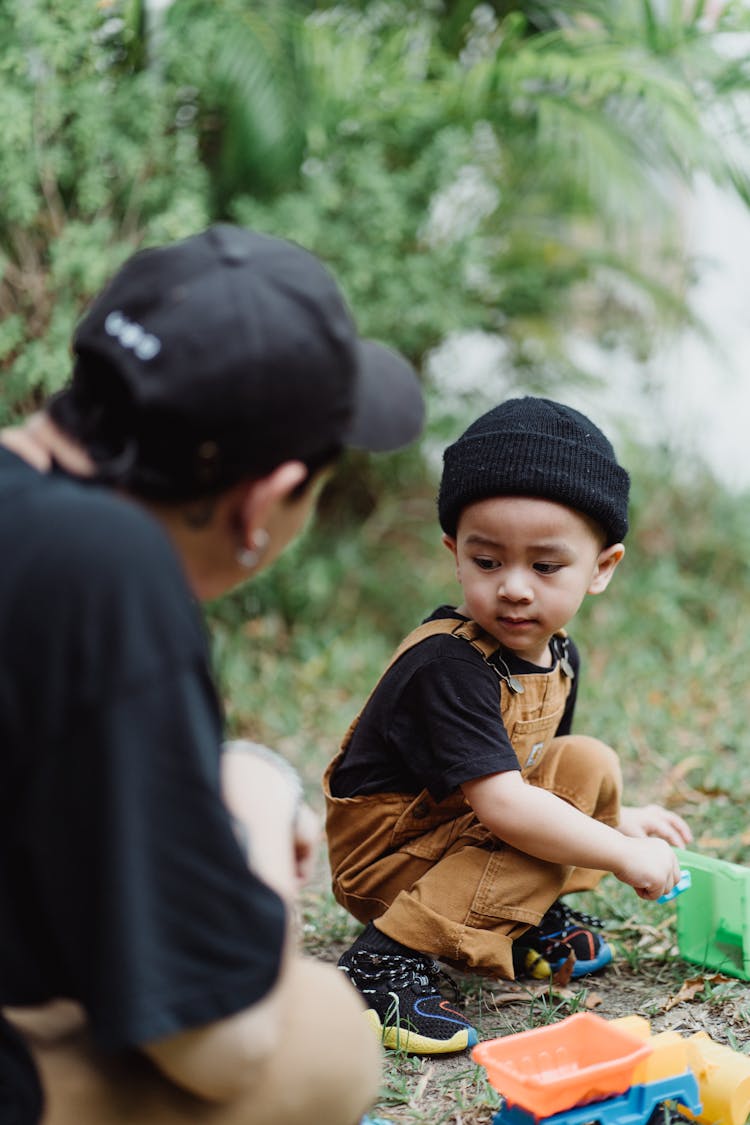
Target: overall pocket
{"type": "Point", "coordinates": [531, 737]}
{"type": "Point", "coordinates": [427, 828]}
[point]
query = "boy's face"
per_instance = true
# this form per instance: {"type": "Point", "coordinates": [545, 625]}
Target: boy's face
{"type": "Point", "coordinates": [525, 565]}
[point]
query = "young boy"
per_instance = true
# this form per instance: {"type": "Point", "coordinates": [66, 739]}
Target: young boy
{"type": "Point", "coordinates": [461, 807]}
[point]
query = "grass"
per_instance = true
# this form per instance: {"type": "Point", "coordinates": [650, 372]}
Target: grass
{"type": "Point", "coordinates": [665, 656]}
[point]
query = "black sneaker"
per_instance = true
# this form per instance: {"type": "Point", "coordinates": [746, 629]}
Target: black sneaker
{"type": "Point", "coordinates": [542, 950]}
{"type": "Point", "coordinates": [403, 1002]}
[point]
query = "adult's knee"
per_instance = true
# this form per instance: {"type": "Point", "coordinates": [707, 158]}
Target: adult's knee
{"type": "Point", "coordinates": [329, 1065]}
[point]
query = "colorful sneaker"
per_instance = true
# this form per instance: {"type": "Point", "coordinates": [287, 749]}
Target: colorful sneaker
{"type": "Point", "coordinates": [545, 948]}
{"type": "Point", "coordinates": [403, 1002]}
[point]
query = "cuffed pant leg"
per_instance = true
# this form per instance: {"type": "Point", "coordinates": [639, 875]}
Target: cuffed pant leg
{"type": "Point", "coordinates": [467, 909]}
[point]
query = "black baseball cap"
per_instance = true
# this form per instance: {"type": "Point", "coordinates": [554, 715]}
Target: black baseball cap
{"type": "Point", "coordinates": [229, 352]}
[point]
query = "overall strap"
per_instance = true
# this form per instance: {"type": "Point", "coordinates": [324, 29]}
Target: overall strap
{"type": "Point", "coordinates": [456, 626]}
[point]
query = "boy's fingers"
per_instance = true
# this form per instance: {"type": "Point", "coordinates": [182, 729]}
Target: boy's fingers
{"type": "Point", "coordinates": [673, 828]}
{"type": "Point", "coordinates": [684, 830]}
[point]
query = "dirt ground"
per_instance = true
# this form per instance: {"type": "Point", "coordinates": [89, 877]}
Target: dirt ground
{"type": "Point", "coordinates": [647, 978]}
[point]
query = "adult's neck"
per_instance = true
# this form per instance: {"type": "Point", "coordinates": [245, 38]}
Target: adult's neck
{"type": "Point", "coordinates": [40, 442]}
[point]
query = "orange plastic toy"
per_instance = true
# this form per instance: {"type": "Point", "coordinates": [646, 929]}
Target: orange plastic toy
{"type": "Point", "coordinates": [582, 1058]}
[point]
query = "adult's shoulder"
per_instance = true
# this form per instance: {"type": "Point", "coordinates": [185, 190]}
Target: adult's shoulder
{"type": "Point", "coordinates": [93, 595]}
{"type": "Point", "coordinates": [83, 562]}
{"type": "Point", "coordinates": [90, 538]}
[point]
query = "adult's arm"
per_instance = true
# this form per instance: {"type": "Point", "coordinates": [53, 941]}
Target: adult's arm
{"type": "Point", "coordinates": [229, 1060]}
{"type": "Point", "coordinates": [223, 1059]}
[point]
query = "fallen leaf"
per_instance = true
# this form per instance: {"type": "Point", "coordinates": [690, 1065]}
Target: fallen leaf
{"type": "Point", "coordinates": [688, 991]}
{"type": "Point", "coordinates": [525, 993]}
{"type": "Point", "coordinates": [593, 1000]}
{"type": "Point", "coordinates": [691, 762]}
{"type": "Point", "coordinates": [561, 993]}
{"type": "Point", "coordinates": [565, 972]}
{"type": "Point", "coordinates": [691, 988]}
{"type": "Point", "coordinates": [499, 998]}
{"type": "Point", "coordinates": [422, 1084]}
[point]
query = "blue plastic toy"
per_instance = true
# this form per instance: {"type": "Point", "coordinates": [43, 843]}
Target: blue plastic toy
{"type": "Point", "coordinates": [634, 1107]}
{"type": "Point", "coordinates": [683, 884]}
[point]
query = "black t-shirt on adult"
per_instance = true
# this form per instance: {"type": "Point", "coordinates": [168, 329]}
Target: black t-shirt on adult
{"type": "Point", "coordinates": [434, 721]}
{"type": "Point", "coordinates": [121, 883]}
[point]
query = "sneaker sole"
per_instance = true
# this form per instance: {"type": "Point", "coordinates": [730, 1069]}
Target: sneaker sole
{"type": "Point", "coordinates": [399, 1039]}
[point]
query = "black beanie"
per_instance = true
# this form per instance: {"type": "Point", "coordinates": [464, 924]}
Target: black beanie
{"type": "Point", "coordinates": [536, 447]}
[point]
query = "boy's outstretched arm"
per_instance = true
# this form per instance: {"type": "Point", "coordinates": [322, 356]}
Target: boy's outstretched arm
{"type": "Point", "coordinates": [653, 820]}
{"type": "Point", "coordinates": [541, 824]}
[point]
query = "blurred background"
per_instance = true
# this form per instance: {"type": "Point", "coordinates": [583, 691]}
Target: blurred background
{"type": "Point", "coordinates": [522, 197]}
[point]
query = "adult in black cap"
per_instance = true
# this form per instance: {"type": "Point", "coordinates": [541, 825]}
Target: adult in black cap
{"type": "Point", "coordinates": [145, 875]}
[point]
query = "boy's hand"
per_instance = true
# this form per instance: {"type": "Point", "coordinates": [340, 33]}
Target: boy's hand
{"type": "Point", "coordinates": [650, 867]}
{"type": "Point", "coordinates": [653, 820]}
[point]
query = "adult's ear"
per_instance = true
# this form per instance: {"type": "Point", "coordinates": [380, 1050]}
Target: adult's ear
{"type": "Point", "coordinates": [260, 497]}
{"type": "Point", "coordinates": [606, 565]}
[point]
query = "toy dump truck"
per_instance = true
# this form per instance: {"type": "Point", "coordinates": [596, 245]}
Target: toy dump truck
{"type": "Point", "coordinates": [585, 1069]}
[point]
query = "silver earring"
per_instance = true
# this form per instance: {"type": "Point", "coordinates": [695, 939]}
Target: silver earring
{"type": "Point", "coordinates": [249, 557]}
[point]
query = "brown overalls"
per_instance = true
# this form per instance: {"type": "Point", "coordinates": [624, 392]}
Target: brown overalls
{"type": "Point", "coordinates": [434, 877]}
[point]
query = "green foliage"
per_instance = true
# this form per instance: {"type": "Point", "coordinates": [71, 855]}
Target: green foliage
{"type": "Point", "coordinates": [237, 64]}
{"type": "Point", "coordinates": [667, 651]}
{"type": "Point", "coordinates": [505, 167]}
{"type": "Point", "coordinates": [91, 164]}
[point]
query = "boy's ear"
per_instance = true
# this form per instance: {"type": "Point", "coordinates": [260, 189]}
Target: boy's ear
{"type": "Point", "coordinates": [606, 564]}
{"type": "Point", "coordinates": [452, 546]}
{"type": "Point", "coordinates": [450, 543]}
